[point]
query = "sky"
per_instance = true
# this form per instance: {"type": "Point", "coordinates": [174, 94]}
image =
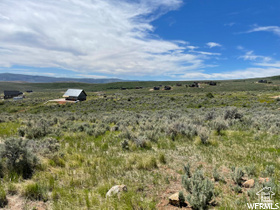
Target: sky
{"type": "Point", "coordinates": [141, 39]}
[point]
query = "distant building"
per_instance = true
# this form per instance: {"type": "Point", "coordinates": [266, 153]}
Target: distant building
{"type": "Point", "coordinates": [212, 83]}
{"type": "Point", "coordinates": [195, 84]}
{"type": "Point", "coordinates": [167, 87]}
{"type": "Point", "coordinates": [75, 95]}
{"type": "Point", "coordinates": [11, 94]}
{"type": "Point", "coordinates": [29, 91]}
{"type": "Point", "coordinates": [262, 81]}
{"type": "Point", "coordinates": [156, 88]}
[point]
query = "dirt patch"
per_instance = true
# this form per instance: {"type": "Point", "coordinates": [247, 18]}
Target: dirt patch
{"type": "Point", "coordinates": [173, 187]}
{"type": "Point", "coordinates": [16, 202]}
{"type": "Point", "coordinates": [274, 97]}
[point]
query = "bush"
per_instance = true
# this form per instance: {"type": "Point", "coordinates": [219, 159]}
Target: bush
{"type": "Point", "coordinates": [209, 95]}
{"type": "Point", "coordinates": [216, 175]}
{"type": "Point", "coordinates": [237, 176]}
{"type": "Point", "coordinates": [251, 170]}
{"type": "Point", "coordinates": [204, 135]}
{"type": "Point", "coordinates": [3, 198]}
{"type": "Point", "coordinates": [162, 158]}
{"type": "Point", "coordinates": [125, 145]}
{"type": "Point", "coordinates": [18, 157]}
{"type": "Point", "coordinates": [187, 170]}
{"type": "Point", "coordinates": [201, 190]}
{"type": "Point", "coordinates": [237, 189]}
{"type": "Point", "coordinates": [1, 168]}
{"type": "Point", "coordinates": [181, 199]}
{"type": "Point", "coordinates": [269, 170]}
{"type": "Point", "coordinates": [232, 113]}
{"type": "Point", "coordinates": [219, 125]}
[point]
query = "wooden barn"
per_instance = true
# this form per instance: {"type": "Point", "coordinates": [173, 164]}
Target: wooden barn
{"type": "Point", "coordinates": [75, 95]}
{"type": "Point", "coordinates": [11, 93]}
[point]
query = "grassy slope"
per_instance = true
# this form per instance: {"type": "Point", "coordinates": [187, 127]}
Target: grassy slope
{"type": "Point", "coordinates": [88, 166]}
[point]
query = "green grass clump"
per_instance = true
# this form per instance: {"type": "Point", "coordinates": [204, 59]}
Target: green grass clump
{"type": "Point", "coordinates": [3, 198]}
{"type": "Point", "coordinates": [35, 191]}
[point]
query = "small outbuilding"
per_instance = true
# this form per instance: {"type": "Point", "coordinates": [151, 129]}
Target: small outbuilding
{"type": "Point", "coordinates": [212, 83]}
{"type": "Point", "coordinates": [195, 84]}
{"type": "Point", "coordinates": [75, 95]}
{"type": "Point", "coordinates": [11, 93]}
{"type": "Point", "coordinates": [167, 87]}
{"type": "Point", "coordinates": [262, 81]}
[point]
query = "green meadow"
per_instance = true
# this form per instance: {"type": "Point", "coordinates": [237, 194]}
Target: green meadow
{"type": "Point", "coordinates": [205, 141]}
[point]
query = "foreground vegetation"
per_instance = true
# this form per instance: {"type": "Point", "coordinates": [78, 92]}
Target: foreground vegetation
{"type": "Point", "coordinates": [155, 142]}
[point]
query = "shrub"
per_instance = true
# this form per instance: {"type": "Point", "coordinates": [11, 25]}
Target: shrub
{"type": "Point", "coordinates": [18, 157]}
{"type": "Point", "coordinates": [237, 189]}
{"type": "Point", "coordinates": [251, 170]}
{"type": "Point", "coordinates": [125, 145]}
{"type": "Point", "coordinates": [3, 198]}
{"type": "Point", "coordinates": [181, 199]}
{"type": "Point", "coordinates": [1, 168]}
{"type": "Point", "coordinates": [204, 135]}
{"type": "Point", "coordinates": [142, 142]}
{"type": "Point", "coordinates": [210, 116]}
{"type": "Point", "coordinates": [232, 113]}
{"type": "Point", "coordinates": [269, 170]}
{"type": "Point", "coordinates": [220, 124]}
{"type": "Point", "coordinates": [162, 158]}
{"type": "Point", "coordinates": [209, 95]}
{"type": "Point", "coordinates": [201, 190]}
{"type": "Point", "coordinates": [216, 175]}
{"type": "Point", "coordinates": [187, 170]}
{"type": "Point", "coordinates": [237, 176]}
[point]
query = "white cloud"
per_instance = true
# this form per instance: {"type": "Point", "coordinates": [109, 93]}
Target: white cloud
{"type": "Point", "coordinates": [213, 44]}
{"type": "Point", "coordinates": [273, 29]}
{"type": "Point", "coordinates": [252, 57]}
{"type": "Point", "coordinates": [105, 37]}
{"type": "Point", "coordinates": [264, 69]}
{"type": "Point", "coordinates": [230, 24]}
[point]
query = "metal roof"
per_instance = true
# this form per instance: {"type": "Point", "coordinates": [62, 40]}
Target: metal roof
{"type": "Point", "coordinates": [12, 92]}
{"type": "Point", "coordinates": [73, 93]}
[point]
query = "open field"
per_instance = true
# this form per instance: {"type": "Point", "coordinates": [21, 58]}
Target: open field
{"type": "Point", "coordinates": [75, 153]}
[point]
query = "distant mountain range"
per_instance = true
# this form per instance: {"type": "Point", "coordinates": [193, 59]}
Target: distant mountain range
{"type": "Point", "coordinates": [7, 77]}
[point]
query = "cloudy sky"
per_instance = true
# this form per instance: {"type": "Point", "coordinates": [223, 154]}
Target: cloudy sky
{"type": "Point", "coordinates": [141, 39]}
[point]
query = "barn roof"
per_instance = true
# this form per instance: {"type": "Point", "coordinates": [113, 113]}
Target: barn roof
{"type": "Point", "coordinates": [73, 92]}
{"type": "Point", "coordinates": [12, 92]}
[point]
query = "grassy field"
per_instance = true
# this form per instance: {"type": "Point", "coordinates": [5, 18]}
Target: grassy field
{"type": "Point", "coordinates": [155, 142]}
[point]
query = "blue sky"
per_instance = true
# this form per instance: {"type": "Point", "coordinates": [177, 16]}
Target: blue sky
{"type": "Point", "coordinates": [141, 39]}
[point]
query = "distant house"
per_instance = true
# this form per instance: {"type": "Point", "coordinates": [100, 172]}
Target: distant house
{"type": "Point", "coordinates": [262, 81]}
{"type": "Point", "coordinates": [75, 95]}
{"type": "Point", "coordinates": [195, 84]}
{"type": "Point", "coordinates": [11, 93]}
{"type": "Point", "coordinates": [29, 91]}
{"type": "Point", "coordinates": [212, 83]}
{"type": "Point", "coordinates": [167, 87]}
